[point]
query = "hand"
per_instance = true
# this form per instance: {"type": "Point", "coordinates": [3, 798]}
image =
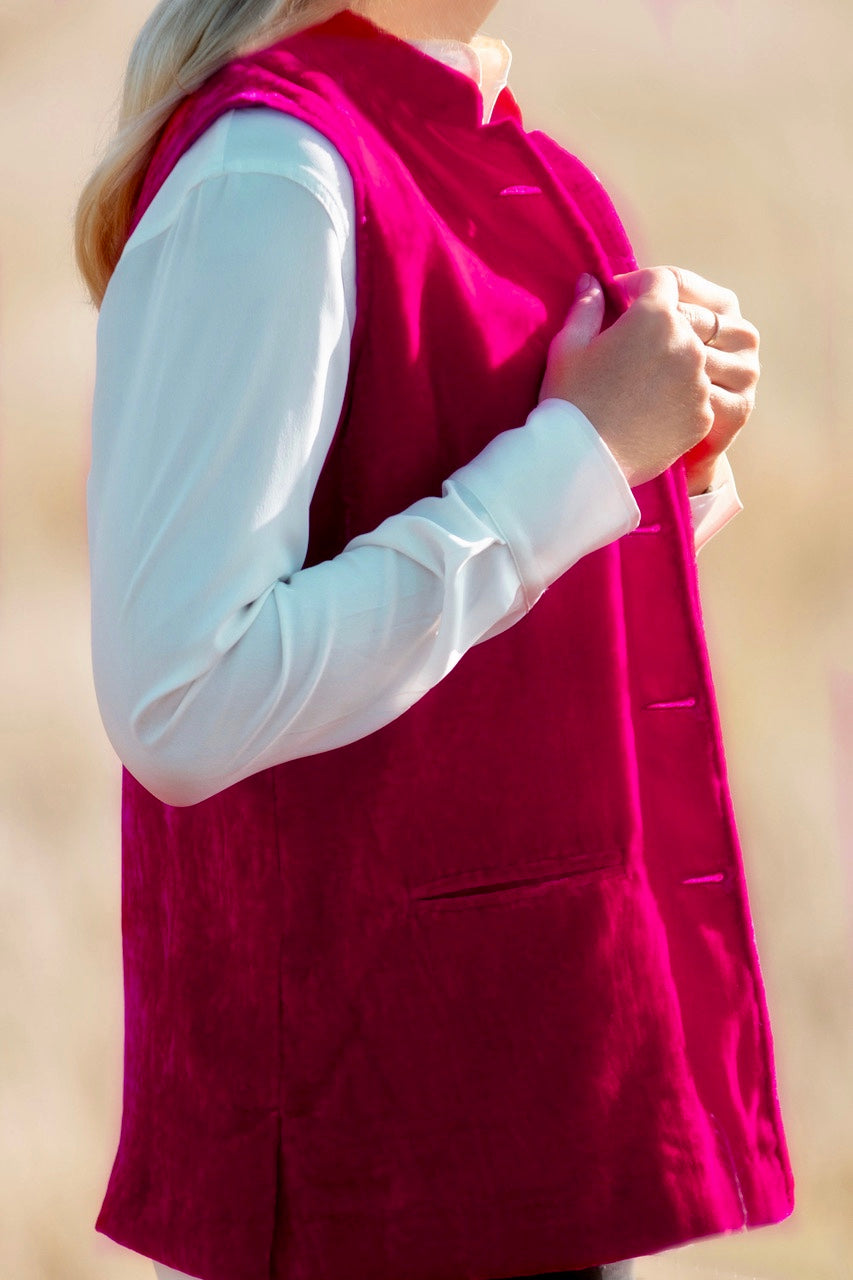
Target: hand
{"type": "Point", "coordinates": [731, 364]}
{"type": "Point", "coordinates": [641, 382]}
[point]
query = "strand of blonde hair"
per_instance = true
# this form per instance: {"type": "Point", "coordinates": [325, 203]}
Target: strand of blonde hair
{"type": "Point", "coordinates": [181, 44]}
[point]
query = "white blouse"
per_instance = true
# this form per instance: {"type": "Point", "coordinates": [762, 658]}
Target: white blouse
{"type": "Point", "coordinates": [223, 345]}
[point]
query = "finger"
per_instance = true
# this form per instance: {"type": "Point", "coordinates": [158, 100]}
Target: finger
{"type": "Point", "coordinates": [731, 372]}
{"type": "Point", "coordinates": [584, 320]}
{"type": "Point", "coordinates": [650, 282]}
{"type": "Point", "coordinates": [731, 413]}
{"type": "Point", "coordinates": [703, 321]}
{"type": "Point", "coordinates": [734, 334]}
{"type": "Point", "coordinates": [695, 288]}
{"type": "Point", "coordinates": [690, 287]}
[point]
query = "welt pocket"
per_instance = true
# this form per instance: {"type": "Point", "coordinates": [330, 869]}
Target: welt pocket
{"type": "Point", "coordinates": [509, 882]}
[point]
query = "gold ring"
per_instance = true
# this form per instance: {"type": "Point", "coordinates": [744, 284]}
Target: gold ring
{"type": "Point", "coordinates": [715, 335]}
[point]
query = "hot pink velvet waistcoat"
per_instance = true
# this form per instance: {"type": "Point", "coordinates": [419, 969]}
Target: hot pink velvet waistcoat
{"type": "Point", "coordinates": [478, 995]}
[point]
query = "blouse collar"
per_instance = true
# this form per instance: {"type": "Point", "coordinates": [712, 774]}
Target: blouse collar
{"type": "Point", "coordinates": [486, 59]}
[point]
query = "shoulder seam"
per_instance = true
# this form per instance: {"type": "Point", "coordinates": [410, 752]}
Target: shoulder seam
{"type": "Point", "coordinates": [314, 189]}
{"type": "Point", "coordinates": [326, 194]}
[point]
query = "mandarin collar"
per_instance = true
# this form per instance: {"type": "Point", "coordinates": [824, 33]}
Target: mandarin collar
{"type": "Point", "coordinates": [460, 82]}
{"type": "Point", "coordinates": [486, 59]}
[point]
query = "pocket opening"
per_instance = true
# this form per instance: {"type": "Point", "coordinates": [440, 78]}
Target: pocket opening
{"type": "Point", "coordinates": [495, 888]}
{"type": "Point", "coordinates": [461, 886]}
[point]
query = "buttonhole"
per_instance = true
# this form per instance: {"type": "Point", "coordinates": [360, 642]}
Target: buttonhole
{"type": "Point", "coordinates": [678, 702]}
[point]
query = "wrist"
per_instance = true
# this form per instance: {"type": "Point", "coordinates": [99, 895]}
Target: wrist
{"type": "Point", "coordinates": [700, 478]}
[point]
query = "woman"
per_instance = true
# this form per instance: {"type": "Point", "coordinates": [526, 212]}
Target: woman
{"type": "Point", "coordinates": [437, 950]}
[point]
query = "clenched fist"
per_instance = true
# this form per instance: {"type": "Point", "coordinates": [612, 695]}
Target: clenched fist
{"type": "Point", "coordinates": [731, 364]}
{"type": "Point", "coordinates": [649, 385]}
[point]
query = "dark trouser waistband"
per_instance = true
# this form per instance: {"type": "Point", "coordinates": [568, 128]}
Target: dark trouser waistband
{"type": "Point", "coordinates": [610, 1271]}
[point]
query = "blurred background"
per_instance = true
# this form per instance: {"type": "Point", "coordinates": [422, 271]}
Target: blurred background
{"type": "Point", "coordinates": [724, 131]}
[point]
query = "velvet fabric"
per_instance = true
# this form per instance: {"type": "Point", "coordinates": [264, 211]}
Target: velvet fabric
{"type": "Point", "coordinates": [477, 995]}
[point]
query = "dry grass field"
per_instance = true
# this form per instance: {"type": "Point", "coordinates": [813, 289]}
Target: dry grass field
{"type": "Point", "coordinates": [724, 129]}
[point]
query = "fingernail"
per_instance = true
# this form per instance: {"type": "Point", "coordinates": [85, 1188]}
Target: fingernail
{"type": "Point", "coordinates": [584, 285]}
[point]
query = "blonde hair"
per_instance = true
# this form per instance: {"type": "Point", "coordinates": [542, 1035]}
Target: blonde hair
{"type": "Point", "coordinates": [181, 44]}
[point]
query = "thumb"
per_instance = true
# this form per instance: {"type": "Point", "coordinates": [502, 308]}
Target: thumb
{"type": "Point", "coordinates": [586, 315]}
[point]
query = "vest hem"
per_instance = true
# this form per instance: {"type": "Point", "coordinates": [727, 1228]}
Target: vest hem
{"type": "Point", "coordinates": [546, 1248]}
{"type": "Point", "coordinates": [418, 1243]}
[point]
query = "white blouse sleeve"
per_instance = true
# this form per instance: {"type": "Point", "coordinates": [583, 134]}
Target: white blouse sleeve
{"type": "Point", "coordinates": [716, 507]}
{"type": "Point", "coordinates": [222, 356]}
